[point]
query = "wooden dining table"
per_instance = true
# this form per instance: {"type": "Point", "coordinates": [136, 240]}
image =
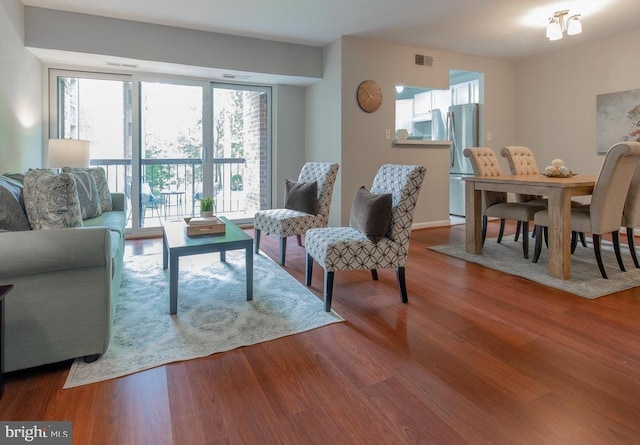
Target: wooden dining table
{"type": "Point", "coordinates": [559, 192]}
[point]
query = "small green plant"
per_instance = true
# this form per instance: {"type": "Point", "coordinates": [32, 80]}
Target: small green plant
{"type": "Point", "coordinates": [206, 204]}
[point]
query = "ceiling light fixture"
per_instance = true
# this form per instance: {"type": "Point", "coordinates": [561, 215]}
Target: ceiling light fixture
{"type": "Point", "coordinates": [559, 24]}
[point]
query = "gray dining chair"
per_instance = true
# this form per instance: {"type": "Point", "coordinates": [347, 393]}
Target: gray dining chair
{"type": "Point", "coordinates": [604, 214]}
{"type": "Point", "coordinates": [522, 161]}
{"type": "Point", "coordinates": [631, 214]}
{"type": "Point", "coordinates": [494, 204]}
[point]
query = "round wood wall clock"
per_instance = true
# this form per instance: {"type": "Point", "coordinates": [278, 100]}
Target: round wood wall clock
{"type": "Point", "coordinates": [369, 96]}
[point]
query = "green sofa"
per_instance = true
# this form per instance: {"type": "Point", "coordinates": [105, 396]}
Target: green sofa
{"type": "Point", "coordinates": [66, 284]}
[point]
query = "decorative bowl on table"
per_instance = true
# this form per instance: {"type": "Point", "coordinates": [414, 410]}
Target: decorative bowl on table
{"type": "Point", "coordinates": [557, 169]}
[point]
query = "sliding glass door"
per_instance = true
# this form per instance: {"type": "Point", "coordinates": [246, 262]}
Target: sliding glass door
{"type": "Point", "coordinates": [97, 109]}
{"type": "Point", "coordinates": [166, 143]}
{"type": "Point", "coordinates": [171, 149]}
{"type": "Point", "coordinates": [241, 147]}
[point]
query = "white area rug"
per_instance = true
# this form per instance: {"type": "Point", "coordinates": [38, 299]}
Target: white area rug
{"type": "Point", "coordinates": [213, 313]}
{"type": "Point", "coordinates": [585, 281]}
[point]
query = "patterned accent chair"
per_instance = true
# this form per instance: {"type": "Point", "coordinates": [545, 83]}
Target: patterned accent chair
{"type": "Point", "coordinates": [286, 222]}
{"type": "Point", "coordinates": [346, 248]}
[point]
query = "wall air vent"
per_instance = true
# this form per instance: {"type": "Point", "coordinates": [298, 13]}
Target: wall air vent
{"type": "Point", "coordinates": [124, 65]}
{"type": "Point", "coordinates": [422, 60]}
{"type": "Point", "coordinates": [235, 76]}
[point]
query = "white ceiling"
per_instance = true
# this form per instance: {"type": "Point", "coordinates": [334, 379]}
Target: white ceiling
{"type": "Point", "coordinates": [510, 29]}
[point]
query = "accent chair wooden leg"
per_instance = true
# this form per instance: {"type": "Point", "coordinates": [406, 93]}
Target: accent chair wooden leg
{"type": "Point", "coordinates": [374, 274]}
{"type": "Point", "coordinates": [538, 246]}
{"type": "Point", "coordinates": [256, 240]}
{"type": "Point", "coordinates": [632, 247]}
{"type": "Point", "coordinates": [501, 231]}
{"type": "Point", "coordinates": [299, 238]}
{"type": "Point", "coordinates": [402, 284]}
{"type": "Point", "coordinates": [574, 241]}
{"type": "Point", "coordinates": [615, 236]}
{"type": "Point", "coordinates": [328, 290]}
{"type": "Point", "coordinates": [596, 250]}
{"type": "Point", "coordinates": [283, 249]}
{"type": "Point", "coordinates": [518, 228]}
{"type": "Point", "coordinates": [525, 239]}
{"type": "Point", "coordinates": [309, 270]}
{"type": "Point", "coordinates": [583, 240]}
{"type": "Point", "coordinates": [91, 358]}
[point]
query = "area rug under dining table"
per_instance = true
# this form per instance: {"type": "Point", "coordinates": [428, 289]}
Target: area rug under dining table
{"type": "Point", "coordinates": [585, 281]}
{"type": "Point", "coordinates": [213, 313]}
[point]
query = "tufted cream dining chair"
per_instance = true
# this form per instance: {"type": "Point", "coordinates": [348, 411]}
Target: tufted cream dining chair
{"type": "Point", "coordinates": [522, 161]}
{"type": "Point", "coordinates": [485, 163]}
{"type": "Point", "coordinates": [605, 212]}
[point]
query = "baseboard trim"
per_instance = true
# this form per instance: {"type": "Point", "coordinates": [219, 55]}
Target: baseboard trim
{"type": "Point", "coordinates": [431, 224]}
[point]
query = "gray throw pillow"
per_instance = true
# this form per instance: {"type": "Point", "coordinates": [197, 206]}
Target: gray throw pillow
{"type": "Point", "coordinates": [12, 214]}
{"type": "Point", "coordinates": [301, 196]}
{"type": "Point", "coordinates": [371, 214]}
{"type": "Point", "coordinates": [100, 176]}
{"type": "Point", "coordinates": [88, 198]}
{"type": "Point", "coordinates": [51, 201]}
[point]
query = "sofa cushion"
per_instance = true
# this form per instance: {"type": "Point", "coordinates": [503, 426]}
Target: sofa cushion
{"type": "Point", "coordinates": [88, 198]}
{"type": "Point", "coordinates": [100, 177]}
{"type": "Point", "coordinates": [371, 214]}
{"type": "Point", "coordinates": [301, 196]}
{"type": "Point", "coordinates": [114, 220]}
{"type": "Point", "coordinates": [12, 214]}
{"type": "Point", "coordinates": [16, 178]}
{"type": "Point", "coordinates": [51, 201]}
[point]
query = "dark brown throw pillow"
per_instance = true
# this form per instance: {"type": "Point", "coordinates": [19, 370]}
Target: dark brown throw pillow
{"type": "Point", "coordinates": [301, 196]}
{"type": "Point", "coordinates": [371, 214]}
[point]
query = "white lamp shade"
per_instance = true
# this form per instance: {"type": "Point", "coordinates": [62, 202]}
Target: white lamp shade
{"type": "Point", "coordinates": [554, 31]}
{"type": "Point", "coordinates": [68, 153]}
{"type": "Point", "coordinates": [574, 26]}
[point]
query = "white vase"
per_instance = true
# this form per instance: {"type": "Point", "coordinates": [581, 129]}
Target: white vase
{"type": "Point", "coordinates": [206, 213]}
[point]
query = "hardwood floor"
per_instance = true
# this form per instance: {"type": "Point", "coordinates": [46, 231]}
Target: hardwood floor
{"type": "Point", "coordinates": [475, 357]}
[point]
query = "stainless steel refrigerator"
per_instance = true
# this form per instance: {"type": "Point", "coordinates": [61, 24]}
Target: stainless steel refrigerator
{"type": "Point", "coordinates": [462, 131]}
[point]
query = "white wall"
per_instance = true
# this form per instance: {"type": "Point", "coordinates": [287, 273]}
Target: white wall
{"type": "Point", "coordinates": [21, 116]}
{"type": "Point", "coordinates": [82, 33]}
{"type": "Point", "coordinates": [364, 147]}
{"type": "Point", "coordinates": [324, 122]}
{"type": "Point", "coordinates": [288, 136]}
{"type": "Point", "coordinates": [557, 98]}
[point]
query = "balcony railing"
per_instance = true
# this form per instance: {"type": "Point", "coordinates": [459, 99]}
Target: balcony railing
{"type": "Point", "coordinates": [182, 177]}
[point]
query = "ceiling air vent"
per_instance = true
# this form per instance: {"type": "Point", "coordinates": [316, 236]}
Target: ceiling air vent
{"type": "Point", "coordinates": [423, 60]}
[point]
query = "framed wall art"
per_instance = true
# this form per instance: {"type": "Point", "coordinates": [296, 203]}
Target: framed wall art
{"type": "Point", "coordinates": [617, 118]}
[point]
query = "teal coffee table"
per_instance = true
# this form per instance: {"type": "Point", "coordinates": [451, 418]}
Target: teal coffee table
{"type": "Point", "coordinates": [176, 243]}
